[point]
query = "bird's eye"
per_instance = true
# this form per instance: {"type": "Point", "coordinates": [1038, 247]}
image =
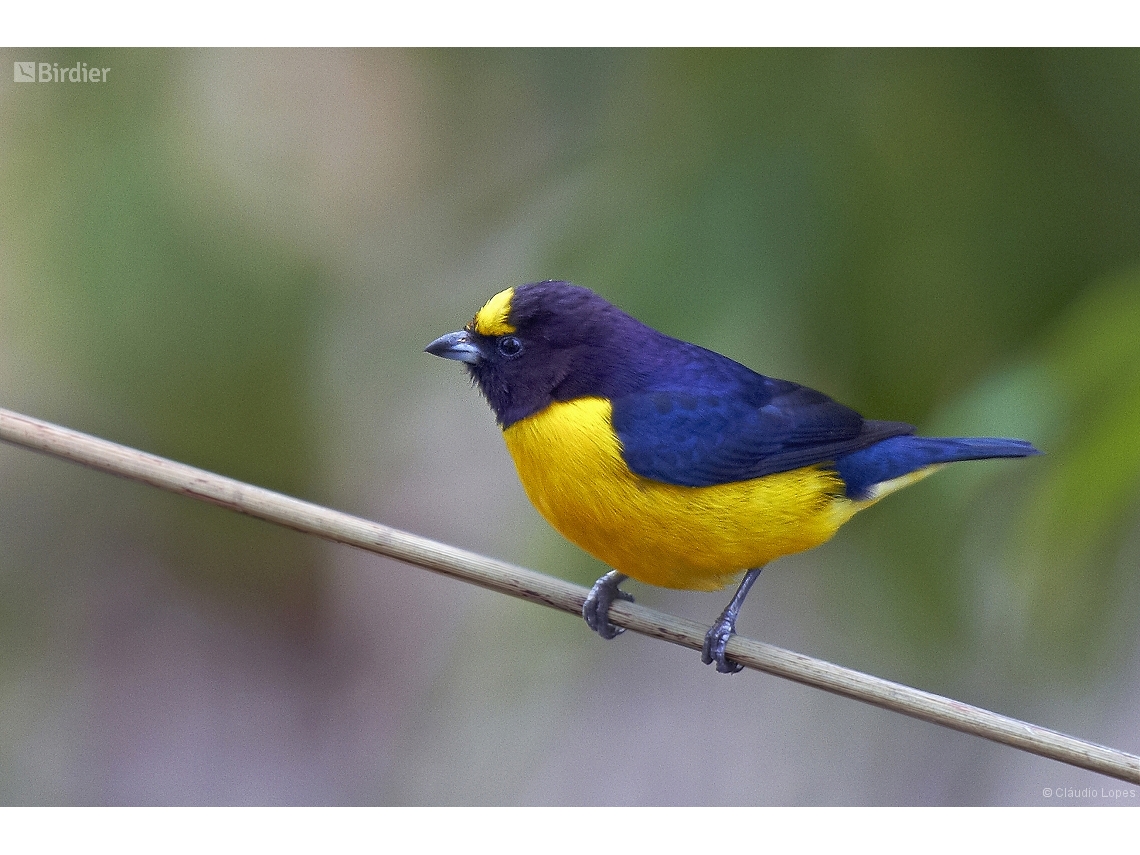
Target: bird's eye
{"type": "Point", "coordinates": [510, 347]}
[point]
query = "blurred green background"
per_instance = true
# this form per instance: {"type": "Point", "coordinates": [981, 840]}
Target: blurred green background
{"type": "Point", "coordinates": [235, 257]}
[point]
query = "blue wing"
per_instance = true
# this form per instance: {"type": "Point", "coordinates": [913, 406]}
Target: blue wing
{"type": "Point", "coordinates": [718, 432]}
{"type": "Point", "coordinates": [699, 419]}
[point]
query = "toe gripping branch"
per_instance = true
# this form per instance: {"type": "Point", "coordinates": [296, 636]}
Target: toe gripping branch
{"type": "Point", "coordinates": [725, 627]}
{"type": "Point", "coordinates": [596, 608]}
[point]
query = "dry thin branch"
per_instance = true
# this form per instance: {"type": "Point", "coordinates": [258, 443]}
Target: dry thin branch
{"type": "Point", "coordinates": [556, 593]}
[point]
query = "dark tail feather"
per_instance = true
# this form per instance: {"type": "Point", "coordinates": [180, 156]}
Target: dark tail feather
{"type": "Point", "coordinates": [895, 457]}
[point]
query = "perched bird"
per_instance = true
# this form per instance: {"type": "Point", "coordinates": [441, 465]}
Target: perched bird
{"type": "Point", "coordinates": [672, 464]}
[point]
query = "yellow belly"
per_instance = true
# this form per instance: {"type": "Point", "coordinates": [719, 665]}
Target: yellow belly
{"type": "Point", "coordinates": [570, 464]}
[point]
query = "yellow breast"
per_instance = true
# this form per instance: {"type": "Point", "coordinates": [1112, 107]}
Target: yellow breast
{"type": "Point", "coordinates": [570, 464]}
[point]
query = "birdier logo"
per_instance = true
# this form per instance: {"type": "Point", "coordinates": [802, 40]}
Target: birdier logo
{"type": "Point", "coordinates": [50, 72]}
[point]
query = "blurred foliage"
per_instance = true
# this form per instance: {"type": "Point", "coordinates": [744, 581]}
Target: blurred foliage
{"type": "Point", "coordinates": [1073, 519]}
{"type": "Point", "coordinates": [189, 328]}
{"type": "Point", "coordinates": [907, 230]}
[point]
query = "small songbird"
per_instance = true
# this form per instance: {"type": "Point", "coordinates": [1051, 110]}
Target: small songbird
{"type": "Point", "coordinates": [672, 464]}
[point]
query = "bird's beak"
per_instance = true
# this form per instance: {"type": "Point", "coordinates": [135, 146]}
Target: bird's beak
{"type": "Point", "coordinates": [456, 345]}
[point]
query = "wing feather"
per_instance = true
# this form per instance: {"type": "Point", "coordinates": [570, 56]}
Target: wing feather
{"type": "Point", "coordinates": [745, 428]}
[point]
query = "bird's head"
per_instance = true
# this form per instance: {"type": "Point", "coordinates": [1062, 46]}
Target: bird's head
{"type": "Point", "coordinates": [535, 344]}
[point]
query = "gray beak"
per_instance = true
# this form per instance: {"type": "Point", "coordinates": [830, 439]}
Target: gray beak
{"type": "Point", "coordinates": [456, 345]}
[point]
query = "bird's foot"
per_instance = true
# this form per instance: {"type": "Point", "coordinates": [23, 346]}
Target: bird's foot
{"type": "Point", "coordinates": [715, 641]}
{"type": "Point", "coordinates": [596, 608]}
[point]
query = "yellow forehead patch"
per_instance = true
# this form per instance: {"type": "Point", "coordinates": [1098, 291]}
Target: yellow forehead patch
{"type": "Point", "coordinates": [491, 320]}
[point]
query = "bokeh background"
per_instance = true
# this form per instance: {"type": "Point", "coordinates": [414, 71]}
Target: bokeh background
{"type": "Point", "coordinates": [235, 257]}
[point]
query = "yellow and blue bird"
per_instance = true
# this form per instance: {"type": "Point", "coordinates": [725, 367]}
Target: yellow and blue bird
{"type": "Point", "coordinates": [670, 463]}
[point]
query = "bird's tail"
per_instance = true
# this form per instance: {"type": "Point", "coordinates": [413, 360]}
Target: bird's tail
{"type": "Point", "coordinates": [866, 471]}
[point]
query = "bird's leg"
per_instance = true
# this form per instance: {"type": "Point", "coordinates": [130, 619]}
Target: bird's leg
{"type": "Point", "coordinates": [717, 637]}
{"type": "Point", "coordinates": [596, 609]}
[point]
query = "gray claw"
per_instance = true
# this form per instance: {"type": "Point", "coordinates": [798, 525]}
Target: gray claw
{"type": "Point", "coordinates": [596, 608]}
{"type": "Point", "coordinates": [713, 649]}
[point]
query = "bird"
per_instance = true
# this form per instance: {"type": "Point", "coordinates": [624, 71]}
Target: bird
{"type": "Point", "coordinates": [670, 463]}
